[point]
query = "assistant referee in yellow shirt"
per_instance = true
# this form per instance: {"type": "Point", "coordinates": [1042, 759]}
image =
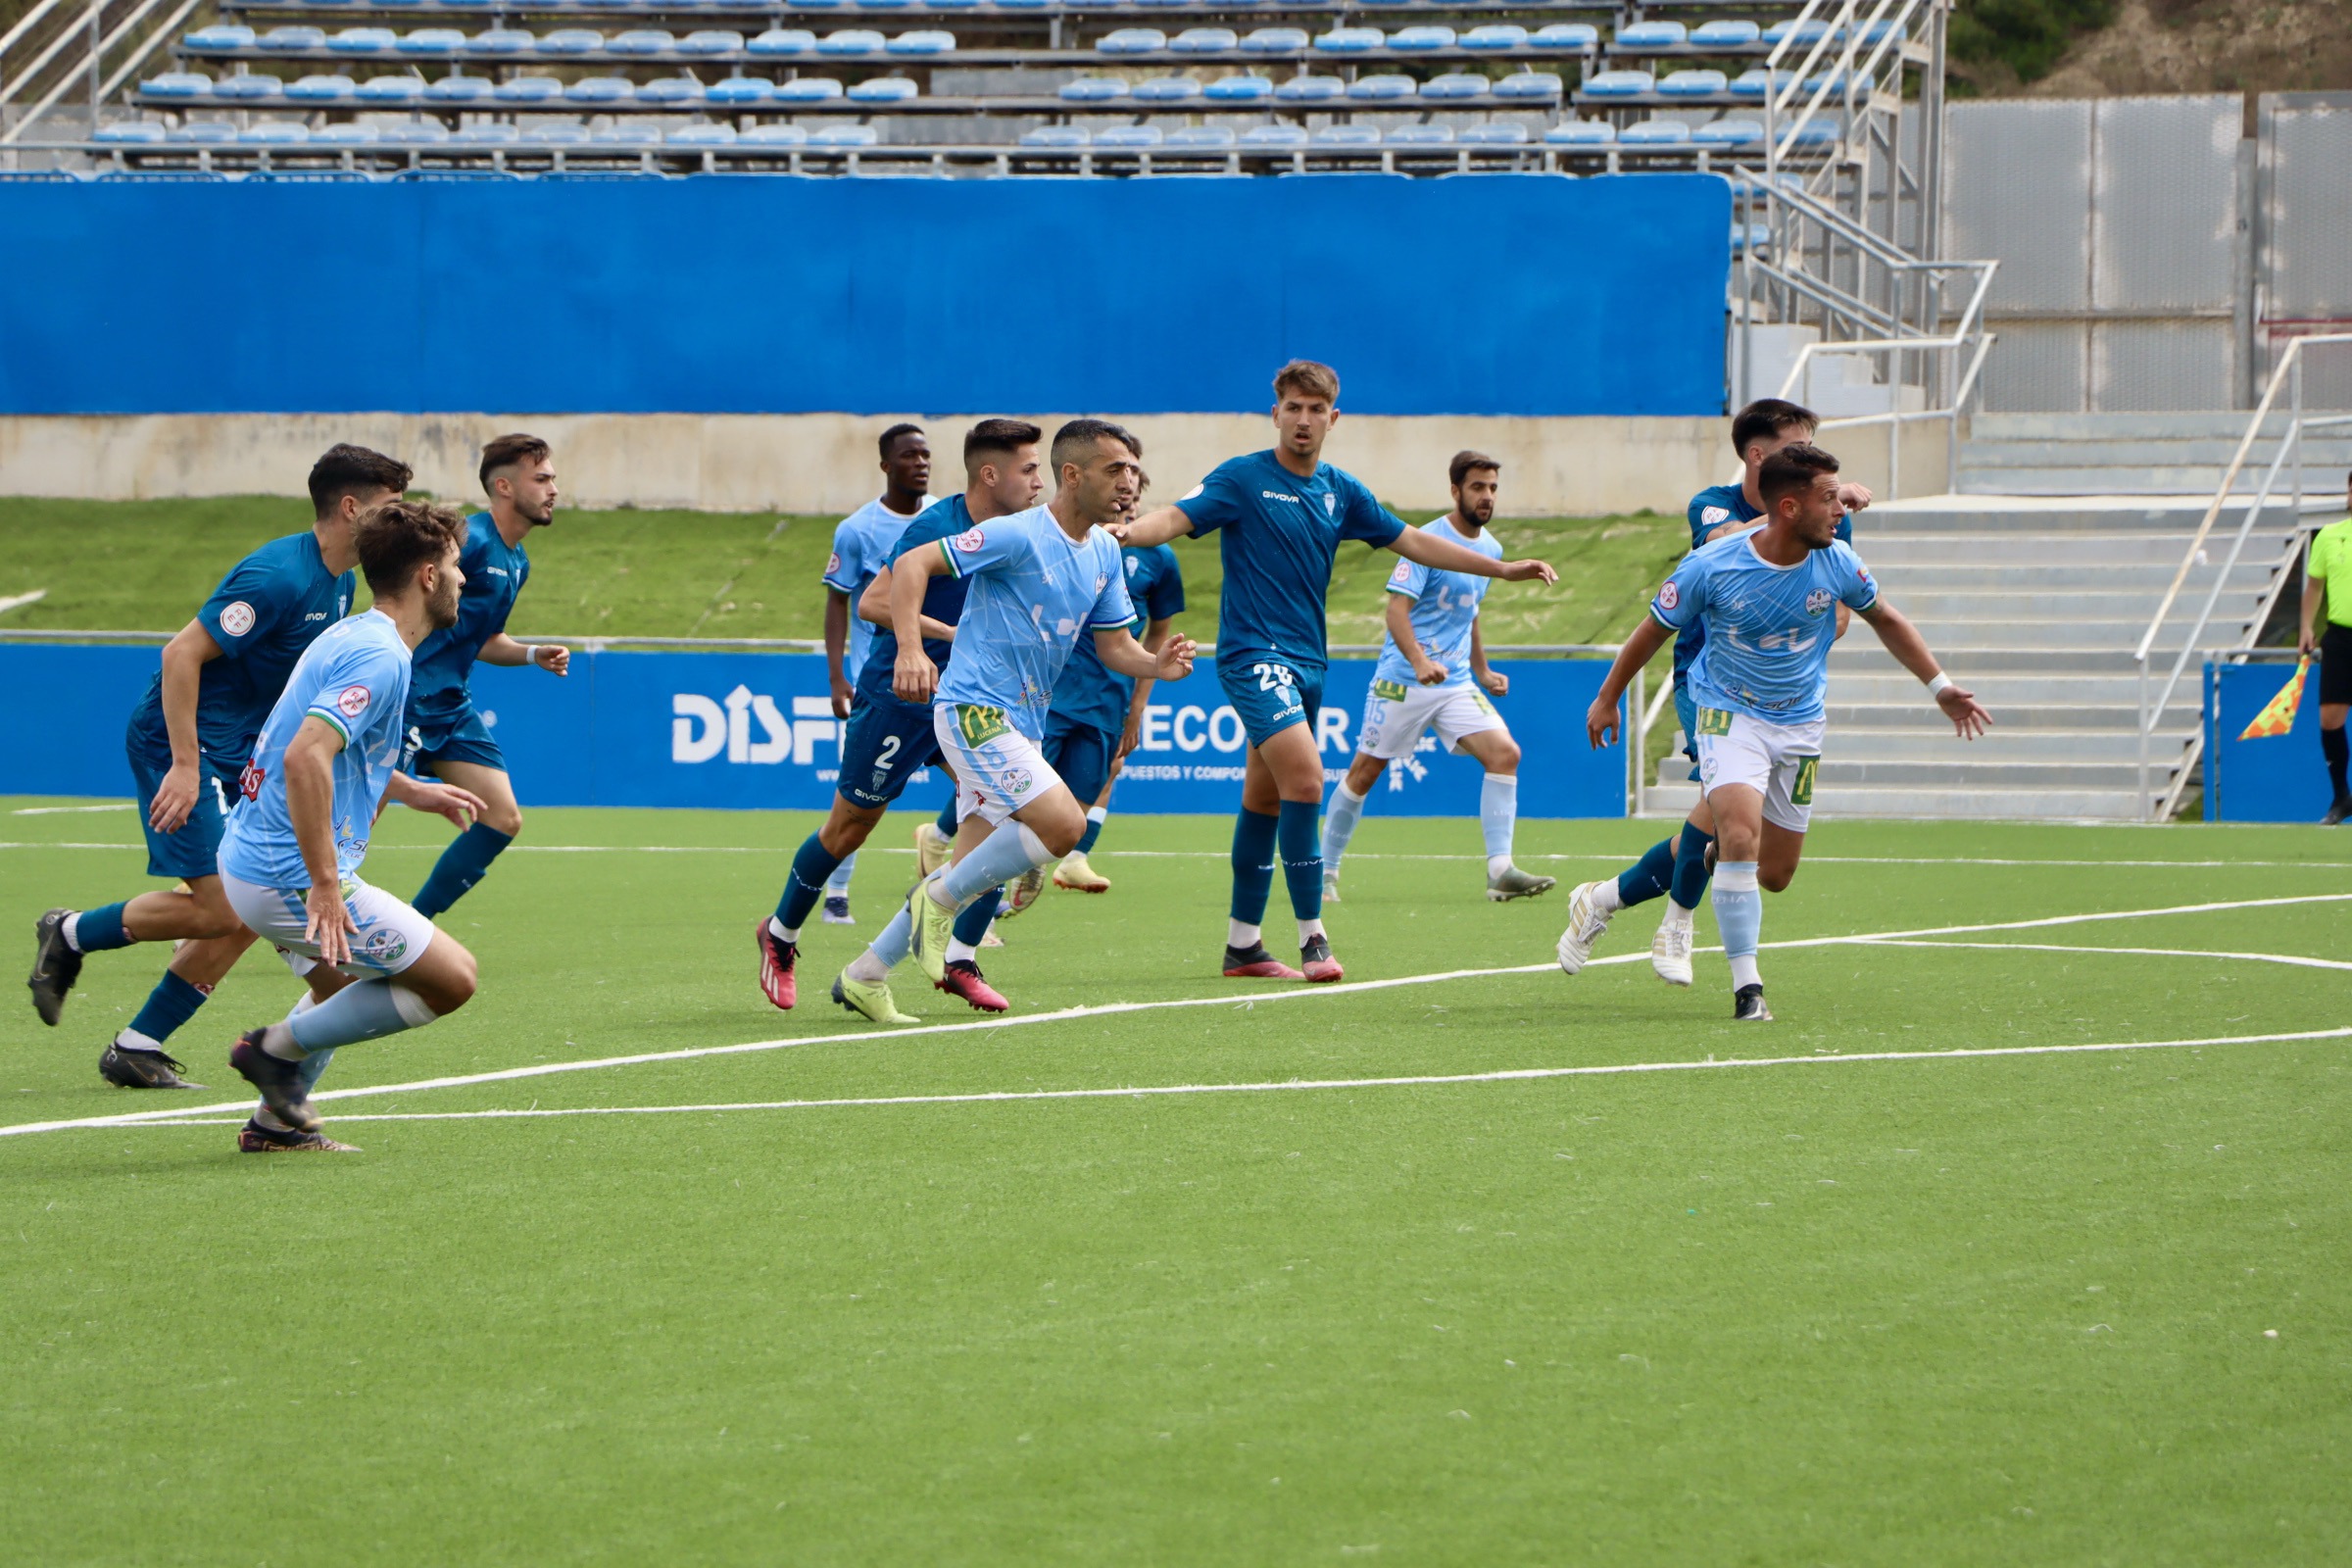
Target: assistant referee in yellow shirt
{"type": "Point", "coordinates": [2329, 636]}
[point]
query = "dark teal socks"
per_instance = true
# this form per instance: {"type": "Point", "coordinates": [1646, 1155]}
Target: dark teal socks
{"type": "Point", "coordinates": [1647, 877]}
{"type": "Point", "coordinates": [1253, 864]}
{"type": "Point", "coordinates": [806, 884]}
{"type": "Point", "coordinates": [1298, 831]}
{"type": "Point", "coordinates": [464, 863]}
{"type": "Point", "coordinates": [100, 930]}
{"type": "Point", "coordinates": [173, 1003]}
{"type": "Point", "coordinates": [1691, 868]}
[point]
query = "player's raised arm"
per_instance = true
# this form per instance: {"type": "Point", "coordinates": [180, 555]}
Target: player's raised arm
{"type": "Point", "coordinates": [1910, 650]}
{"type": "Point", "coordinates": [914, 677]}
{"type": "Point", "coordinates": [507, 652]}
{"type": "Point", "coordinates": [1118, 649]}
{"type": "Point", "coordinates": [1155, 527]}
{"type": "Point", "coordinates": [1420, 545]}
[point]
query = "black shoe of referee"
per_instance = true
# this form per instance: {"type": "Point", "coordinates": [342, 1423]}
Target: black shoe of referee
{"type": "Point", "coordinates": [2338, 811]}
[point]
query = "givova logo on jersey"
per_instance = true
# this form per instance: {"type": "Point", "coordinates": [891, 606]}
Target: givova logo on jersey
{"type": "Point", "coordinates": [747, 726]}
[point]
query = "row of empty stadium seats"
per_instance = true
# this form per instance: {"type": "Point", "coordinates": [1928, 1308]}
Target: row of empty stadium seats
{"type": "Point", "coordinates": [1025, 8]}
{"type": "Point", "coordinates": [1533, 85]}
{"type": "Point", "coordinates": [1756, 83]}
{"type": "Point", "coordinates": [293, 132]}
{"type": "Point", "coordinates": [505, 43]}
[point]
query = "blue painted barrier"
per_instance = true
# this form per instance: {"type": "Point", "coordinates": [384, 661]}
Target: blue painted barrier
{"type": "Point", "coordinates": [746, 730]}
{"type": "Point", "coordinates": [2273, 779]}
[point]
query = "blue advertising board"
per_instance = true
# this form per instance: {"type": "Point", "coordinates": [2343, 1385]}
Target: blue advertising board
{"type": "Point", "coordinates": [2272, 778]}
{"type": "Point", "coordinates": [755, 731]}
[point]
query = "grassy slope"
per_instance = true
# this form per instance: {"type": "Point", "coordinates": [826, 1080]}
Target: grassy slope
{"type": "Point", "coordinates": [1992, 1312]}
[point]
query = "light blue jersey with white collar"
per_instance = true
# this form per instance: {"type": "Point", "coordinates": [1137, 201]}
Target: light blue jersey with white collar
{"type": "Point", "coordinates": [1444, 608]}
{"type": "Point", "coordinates": [1035, 592]}
{"type": "Point", "coordinates": [1769, 628]}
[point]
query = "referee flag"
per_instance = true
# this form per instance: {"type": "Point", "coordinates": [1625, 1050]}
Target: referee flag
{"type": "Point", "coordinates": [2278, 715]}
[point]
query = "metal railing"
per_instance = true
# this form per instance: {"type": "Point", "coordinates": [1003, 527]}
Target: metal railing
{"type": "Point", "coordinates": [2289, 374]}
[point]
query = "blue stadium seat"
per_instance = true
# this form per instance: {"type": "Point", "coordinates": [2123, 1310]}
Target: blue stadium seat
{"type": "Point", "coordinates": [1728, 133]}
{"type": "Point", "coordinates": [363, 41]}
{"type": "Point", "coordinates": [741, 90]}
{"type": "Point", "coordinates": [1692, 84]}
{"type": "Point", "coordinates": [1057, 136]}
{"type": "Point", "coordinates": [672, 90]}
{"type": "Point", "coordinates": [1419, 136]}
{"type": "Point", "coordinates": [1655, 134]}
{"type": "Point", "coordinates": [1755, 83]}
{"type": "Point", "coordinates": [1538, 86]}
{"type": "Point", "coordinates": [1132, 41]}
{"type": "Point", "coordinates": [922, 41]}
{"type": "Point", "coordinates": [252, 87]}
{"type": "Point", "coordinates": [558, 133]}
{"type": "Point", "coordinates": [885, 90]}
{"type": "Point", "coordinates": [1723, 36]}
{"type": "Point", "coordinates": [783, 41]}
{"type": "Point", "coordinates": [1205, 41]}
{"type": "Point", "coordinates": [815, 5]}
{"type": "Point", "coordinates": [1022, 5]}
{"type": "Point", "coordinates": [1836, 81]}
{"type": "Point", "coordinates": [625, 131]}
{"type": "Point", "coordinates": [1813, 32]}
{"type": "Point", "coordinates": [1167, 89]}
{"type": "Point", "coordinates": [1565, 36]}
{"type": "Point", "coordinates": [1382, 89]}
{"type": "Point", "coordinates": [1819, 131]}
{"type": "Point", "coordinates": [572, 41]}
{"type": "Point", "coordinates": [178, 84]}
{"type": "Point", "coordinates": [327, 89]}
{"type": "Point", "coordinates": [712, 41]}
{"type": "Point", "coordinates": [502, 41]}
{"type": "Point", "coordinates": [1349, 40]}
{"type": "Point", "coordinates": [432, 41]}
{"type": "Point", "coordinates": [600, 90]}
{"type": "Point", "coordinates": [1652, 35]}
{"type": "Point", "coordinates": [131, 132]}
{"type": "Point", "coordinates": [1870, 32]}
{"type": "Point", "coordinates": [1347, 136]}
{"type": "Point", "coordinates": [1496, 133]}
{"type": "Point", "coordinates": [773, 135]}
{"type": "Point", "coordinates": [1093, 89]}
{"type": "Point", "coordinates": [1281, 134]}
{"type": "Point", "coordinates": [1129, 136]}
{"type": "Point", "coordinates": [883, 5]}
{"type": "Point", "coordinates": [1495, 35]}
{"type": "Point", "coordinates": [487, 134]}
{"type": "Point", "coordinates": [850, 41]}
{"type": "Point", "coordinates": [1239, 89]}
{"type": "Point", "coordinates": [642, 41]}
{"type": "Point", "coordinates": [457, 90]}
{"type": "Point", "coordinates": [846, 136]}
{"type": "Point", "coordinates": [1621, 85]}
{"type": "Point", "coordinates": [415, 133]}
{"type": "Point", "coordinates": [1310, 89]}
{"type": "Point", "coordinates": [1455, 85]}
{"type": "Point", "coordinates": [1201, 137]}
{"type": "Point", "coordinates": [1581, 133]}
{"type": "Point", "coordinates": [528, 91]}
{"type": "Point", "coordinates": [352, 135]}
{"type": "Point", "coordinates": [204, 130]}
{"type": "Point", "coordinates": [1413, 40]}
{"type": "Point", "coordinates": [1275, 41]}
{"type": "Point", "coordinates": [702, 134]}
{"type": "Point", "coordinates": [219, 36]}
{"type": "Point", "coordinates": [293, 38]}
{"type": "Point", "coordinates": [807, 90]}
{"type": "Point", "coordinates": [392, 90]}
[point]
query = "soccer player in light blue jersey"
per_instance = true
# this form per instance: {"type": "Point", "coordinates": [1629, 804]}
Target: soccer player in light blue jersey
{"type": "Point", "coordinates": [326, 761]}
{"type": "Point", "coordinates": [1281, 516]}
{"type": "Point", "coordinates": [1767, 598]}
{"type": "Point", "coordinates": [1432, 674]}
{"type": "Point", "coordinates": [1040, 580]}
{"type": "Point", "coordinates": [187, 741]}
{"type": "Point", "coordinates": [861, 550]}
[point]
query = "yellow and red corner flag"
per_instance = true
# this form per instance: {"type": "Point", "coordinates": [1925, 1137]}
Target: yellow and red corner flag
{"type": "Point", "coordinates": [2278, 715]}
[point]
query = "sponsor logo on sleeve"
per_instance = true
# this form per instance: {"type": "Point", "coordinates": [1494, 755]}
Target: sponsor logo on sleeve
{"type": "Point", "coordinates": [832, 562]}
{"type": "Point", "coordinates": [236, 618]}
{"type": "Point", "coordinates": [1670, 596]}
{"type": "Point", "coordinates": [1101, 580]}
{"type": "Point", "coordinates": [1714, 517]}
{"type": "Point", "coordinates": [1404, 571]}
{"type": "Point", "coordinates": [1194, 494]}
{"type": "Point", "coordinates": [970, 540]}
{"type": "Point", "coordinates": [353, 701]}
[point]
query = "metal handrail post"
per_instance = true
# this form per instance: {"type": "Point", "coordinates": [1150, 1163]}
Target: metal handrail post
{"type": "Point", "coordinates": [2294, 435]}
{"type": "Point", "coordinates": [2145, 726]}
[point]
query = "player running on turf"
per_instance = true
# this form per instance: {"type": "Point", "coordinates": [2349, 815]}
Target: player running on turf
{"type": "Point", "coordinates": [445, 736]}
{"type": "Point", "coordinates": [1680, 869]}
{"type": "Point", "coordinates": [1283, 513]}
{"type": "Point", "coordinates": [862, 544]}
{"type": "Point", "coordinates": [890, 739]}
{"type": "Point", "coordinates": [188, 738]}
{"type": "Point", "coordinates": [1766, 597]}
{"type": "Point", "coordinates": [326, 761]}
{"type": "Point", "coordinates": [1039, 579]}
{"type": "Point", "coordinates": [1429, 677]}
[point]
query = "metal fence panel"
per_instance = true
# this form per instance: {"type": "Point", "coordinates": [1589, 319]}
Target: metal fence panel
{"type": "Point", "coordinates": [2305, 242]}
{"type": "Point", "coordinates": [2020, 191]}
{"type": "Point", "coordinates": [2151, 365]}
{"type": "Point", "coordinates": [2036, 368]}
{"type": "Point", "coordinates": [2163, 205]}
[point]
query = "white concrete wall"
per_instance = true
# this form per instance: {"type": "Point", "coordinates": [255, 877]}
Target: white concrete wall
{"type": "Point", "coordinates": [826, 462]}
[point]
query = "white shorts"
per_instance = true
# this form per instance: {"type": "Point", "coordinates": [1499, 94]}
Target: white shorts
{"type": "Point", "coordinates": [1396, 714]}
{"type": "Point", "coordinates": [998, 768]}
{"type": "Point", "coordinates": [1777, 761]}
{"type": "Point", "coordinates": [390, 937]}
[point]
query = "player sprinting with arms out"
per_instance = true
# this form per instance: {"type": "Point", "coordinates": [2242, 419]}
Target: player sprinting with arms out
{"type": "Point", "coordinates": [862, 544]}
{"type": "Point", "coordinates": [1283, 513]}
{"type": "Point", "coordinates": [1040, 580]}
{"type": "Point", "coordinates": [326, 764]}
{"type": "Point", "coordinates": [1432, 674]}
{"type": "Point", "coordinates": [890, 739]}
{"type": "Point", "coordinates": [188, 740]}
{"type": "Point", "coordinates": [445, 736]}
{"type": "Point", "coordinates": [1768, 599]}
{"type": "Point", "coordinates": [2327, 636]}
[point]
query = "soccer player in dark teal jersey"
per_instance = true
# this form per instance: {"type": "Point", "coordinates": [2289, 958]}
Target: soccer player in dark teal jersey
{"type": "Point", "coordinates": [188, 740]}
{"type": "Point", "coordinates": [1281, 515]}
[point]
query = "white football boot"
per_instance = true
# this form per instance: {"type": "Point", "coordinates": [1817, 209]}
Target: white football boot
{"type": "Point", "coordinates": [1670, 952]}
{"type": "Point", "coordinates": [1587, 920]}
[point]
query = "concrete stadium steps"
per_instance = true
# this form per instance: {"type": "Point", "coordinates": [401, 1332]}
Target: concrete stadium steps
{"type": "Point", "coordinates": [2137, 454]}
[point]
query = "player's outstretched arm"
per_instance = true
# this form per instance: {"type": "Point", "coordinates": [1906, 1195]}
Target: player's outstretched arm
{"type": "Point", "coordinates": [500, 649]}
{"type": "Point", "coordinates": [1119, 651]}
{"type": "Point", "coordinates": [309, 767]}
{"type": "Point", "coordinates": [1910, 650]}
{"type": "Point", "coordinates": [460, 806]}
{"type": "Point", "coordinates": [914, 677]}
{"type": "Point", "coordinates": [1152, 528]}
{"type": "Point", "coordinates": [1418, 544]}
{"type": "Point", "coordinates": [184, 658]}
{"type": "Point", "coordinates": [874, 606]}
{"type": "Point", "coordinates": [1602, 719]}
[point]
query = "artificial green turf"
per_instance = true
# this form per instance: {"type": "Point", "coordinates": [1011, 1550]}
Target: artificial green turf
{"type": "Point", "coordinates": [1985, 1311]}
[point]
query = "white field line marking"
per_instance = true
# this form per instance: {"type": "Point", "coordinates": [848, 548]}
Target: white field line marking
{"type": "Point", "coordinates": [1105, 1009]}
{"type": "Point", "coordinates": [2153, 952]}
{"type": "Point", "coordinates": [1506, 1075]}
{"type": "Point", "coordinates": [68, 811]}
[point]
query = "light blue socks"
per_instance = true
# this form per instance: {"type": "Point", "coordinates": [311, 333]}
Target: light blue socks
{"type": "Point", "coordinates": [1738, 919]}
{"type": "Point", "coordinates": [1498, 815]}
{"type": "Point", "coordinates": [365, 1010]}
{"type": "Point", "coordinates": [1339, 824]}
{"type": "Point", "coordinates": [1012, 850]}
{"type": "Point", "coordinates": [837, 885]}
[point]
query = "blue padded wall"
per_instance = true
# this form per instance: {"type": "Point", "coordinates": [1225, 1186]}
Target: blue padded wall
{"type": "Point", "coordinates": [1482, 294]}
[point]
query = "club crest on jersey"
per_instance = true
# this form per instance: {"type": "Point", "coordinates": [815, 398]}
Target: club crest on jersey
{"type": "Point", "coordinates": [1134, 566]}
{"type": "Point", "coordinates": [833, 561]}
{"type": "Point", "coordinates": [1404, 571]}
{"type": "Point", "coordinates": [353, 701]}
{"type": "Point", "coordinates": [1331, 505]}
{"type": "Point", "coordinates": [236, 619]}
{"type": "Point", "coordinates": [1817, 601]}
{"type": "Point", "coordinates": [969, 540]}
{"type": "Point", "coordinates": [1101, 580]}
{"type": "Point", "coordinates": [1017, 781]}
{"type": "Point", "coordinates": [1670, 596]}
{"type": "Point", "coordinates": [384, 945]}
{"type": "Point", "coordinates": [1711, 516]}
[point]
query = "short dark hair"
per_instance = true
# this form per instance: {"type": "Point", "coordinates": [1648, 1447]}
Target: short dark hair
{"type": "Point", "coordinates": [1073, 442]}
{"type": "Point", "coordinates": [1767, 417]}
{"type": "Point", "coordinates": [1309, 378]}
{"type": "Point", "coordinates": [349, 470]}
{"type": "Point", "coordinates": [509, 450]}
{"type": "Point", "coordinates": [397, 537]}
{"type": "Point", "coordinates": [893, 434]}
{"type": "Point", "coordinates": [1792, 469]}
{"type": "Point", "coordinates": [999, 437]}
{"type": "Point", "coordinates": [1463, 462]}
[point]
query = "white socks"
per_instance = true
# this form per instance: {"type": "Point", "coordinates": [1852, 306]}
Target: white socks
{"type": "Point", "coordinates": [1308, 930]}
{"type": "Point", "coordinates": [1242, 938]}
{"type": "Point", "coordinates": [1498, 813]}
{"type": "Point", "coordinates": [1605, 898]}
{"type": "Point", "coordinates": [72, 931]}
{"type": "Point", "coordinates": [782, 932]}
